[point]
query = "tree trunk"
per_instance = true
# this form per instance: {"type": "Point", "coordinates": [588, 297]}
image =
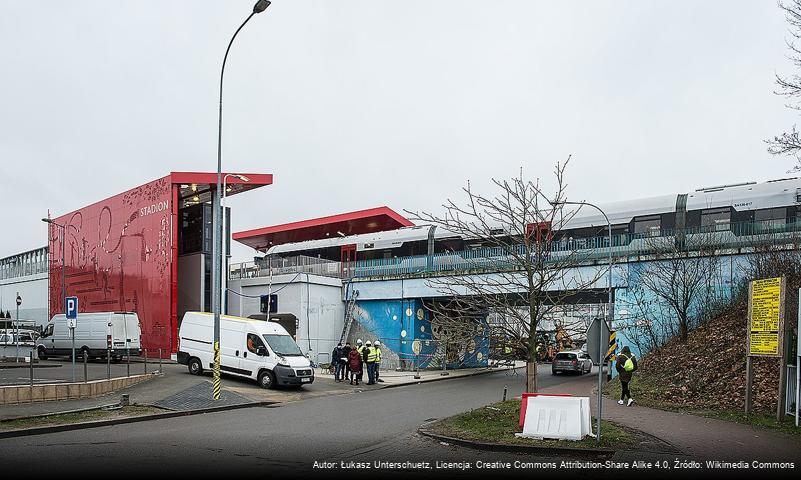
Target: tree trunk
{"type": "Point", "coordinates": [531, 376]}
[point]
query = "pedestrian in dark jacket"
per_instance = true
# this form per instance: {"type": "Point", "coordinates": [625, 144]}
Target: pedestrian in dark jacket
{"type": "Point", "coordinates": [336, 360]}
{"type": "Point", "coordinates": [345, 352]}
{"type": "Point", "coordinates": [625, 375]}
{"type": "Point", "coordinates": [355, 364]}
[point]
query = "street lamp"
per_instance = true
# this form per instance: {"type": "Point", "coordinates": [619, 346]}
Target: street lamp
{"type": "Point", "coordinates": [223, 254]}
{"type": "Point", "coordinates": [602, 345]}
{"type": "Point", "coordinates": [64, 283]}
{"type": "Point", "coordinates": [217, 249]}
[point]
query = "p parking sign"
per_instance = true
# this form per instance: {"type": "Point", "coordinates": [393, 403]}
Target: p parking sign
{"type": "Point", "coordinates": [71, 310]}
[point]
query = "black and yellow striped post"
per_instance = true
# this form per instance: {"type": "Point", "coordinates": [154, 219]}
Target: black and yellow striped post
{"type": "Point", "coordinates": [610, 353]}
{"type": "Point", "coordinates": [216, 372]}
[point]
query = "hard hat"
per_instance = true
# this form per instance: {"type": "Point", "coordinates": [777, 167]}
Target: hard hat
{"type": "Point", "coordinates": [377, 343]}
{"type": "Point", "coordinates": [359, 341]}
{"type": "Point", "coordinates": [368, 342]}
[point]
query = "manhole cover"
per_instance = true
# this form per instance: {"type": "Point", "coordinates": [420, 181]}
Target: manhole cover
{"type": "Point", "coordinates": [199, 397]}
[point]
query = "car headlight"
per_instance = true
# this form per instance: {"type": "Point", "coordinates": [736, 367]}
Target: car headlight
{"type": "Point", "coordinates": [282, 361]}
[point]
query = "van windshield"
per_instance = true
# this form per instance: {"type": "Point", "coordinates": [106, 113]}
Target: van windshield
{"type": "Point", "coordinates": [283, 345]}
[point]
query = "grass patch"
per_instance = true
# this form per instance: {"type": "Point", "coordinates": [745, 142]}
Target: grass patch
{"type": "Point", "coordinates": [78, 417]}
{"type": "Point", "coordinates": [650, 394]}
{"type": "Point", "coordinates": [498, 423]}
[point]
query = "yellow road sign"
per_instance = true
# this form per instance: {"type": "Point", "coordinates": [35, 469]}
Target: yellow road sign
{"type": "Point", "coordinates": [766, 317]}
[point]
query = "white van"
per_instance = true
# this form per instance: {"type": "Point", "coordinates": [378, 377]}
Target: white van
{"type": "Point", "coordinates": [256, 349]}
{"type": "Point", "coordinates": [93, 333]}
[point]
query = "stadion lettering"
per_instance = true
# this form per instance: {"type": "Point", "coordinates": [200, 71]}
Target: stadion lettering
{"type": "Point", "coordinates": [155, 208]}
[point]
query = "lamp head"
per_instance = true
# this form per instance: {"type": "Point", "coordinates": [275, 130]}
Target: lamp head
{"type": "Point", "coordinates": [243, 178]}
{"type": "Point", "coordinates": [261, 6]}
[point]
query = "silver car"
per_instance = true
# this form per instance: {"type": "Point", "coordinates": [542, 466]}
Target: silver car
{"type": "Point", "coordinates": [576, 361]}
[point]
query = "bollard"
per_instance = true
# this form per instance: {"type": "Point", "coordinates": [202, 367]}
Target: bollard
{"type": "Point", "coordinates": [128, 360]}
{"type": "Point", "coordinates": [85, 372]}
{"type": "Point", "coordinates": [161, 368]}
{"type": "Point", "coordinates": [145, 361]}
{"type": "Point", "coordinates": [125, 400]}
{"type": "Point", "coordinates": [417, 367]}
{"type": "Point", "coordinates": [108, 363]}
{"type": "Point", "coordinates": [504, 393]}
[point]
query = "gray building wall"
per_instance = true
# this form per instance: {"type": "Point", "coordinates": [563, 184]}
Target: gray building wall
{"type": "Point", "coordinates": [315, 301]}
{"type": "Point", "coordinates": [33, 290]}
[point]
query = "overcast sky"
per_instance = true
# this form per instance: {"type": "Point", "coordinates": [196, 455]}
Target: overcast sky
{"type": "Point", "coordinates": [353, 104]}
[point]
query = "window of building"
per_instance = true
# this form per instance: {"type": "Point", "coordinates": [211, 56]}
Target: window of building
{"type": "Point", "coordinates": [716, 219]}
{"type": "Point", "coordinates": [650, 226]}
{"type": "Point", "coordinates": [771, 216]}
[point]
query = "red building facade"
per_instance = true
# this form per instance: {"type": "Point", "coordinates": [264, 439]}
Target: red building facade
{"type": "Point", "coordinates": [121, 253]}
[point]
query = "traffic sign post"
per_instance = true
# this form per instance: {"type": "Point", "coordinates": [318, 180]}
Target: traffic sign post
{"type": "Point", "coordinates": [598, 337]}
{"type": "Point", "coordinates": [71, 312]}
{"type": "Point", "coordinates": [16, 329]}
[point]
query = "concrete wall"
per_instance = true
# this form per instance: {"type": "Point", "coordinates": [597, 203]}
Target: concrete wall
{"type": "Point", "coordinates": [33, 290]}
{"type": "Point", "coordinates": [316, 302]}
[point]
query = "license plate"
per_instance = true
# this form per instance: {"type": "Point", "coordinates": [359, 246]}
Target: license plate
{"type": "Point", "coordinates": [305, 380]}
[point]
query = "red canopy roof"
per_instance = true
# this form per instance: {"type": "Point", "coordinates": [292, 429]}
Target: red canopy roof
{"type": "Point", "coordinates": [352, 223]}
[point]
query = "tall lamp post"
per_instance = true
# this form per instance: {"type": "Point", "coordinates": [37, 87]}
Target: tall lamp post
{"type": "Point", "coordinates": [63, 281]}
{"type": "Point", "coordinates": [224, 255]}
{"type": "Point", "coordinates": [602, 342]}
{"type": "Point", "coordinates": [217, 250]}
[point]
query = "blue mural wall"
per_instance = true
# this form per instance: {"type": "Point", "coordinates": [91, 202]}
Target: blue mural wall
{"type": "Point", "coordinates": [631, 306]}
{"type": "Point", "coordinates": [405, 329]}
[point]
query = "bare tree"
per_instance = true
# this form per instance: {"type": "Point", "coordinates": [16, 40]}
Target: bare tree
{"type": "Point", "coordinates": [675, 286]}
{"type": "Point", "coordinates": [789, 143]}
{"type": "Point", "coordinates": [522, 271]}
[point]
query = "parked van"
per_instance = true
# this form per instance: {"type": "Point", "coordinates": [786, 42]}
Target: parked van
{"type": "Point", "coordinates": [93, 332]}
{"type": "Point", "coordinates": [257, 349]}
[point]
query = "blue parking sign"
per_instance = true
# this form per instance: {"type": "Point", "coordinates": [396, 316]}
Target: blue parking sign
{"type": "Point", "coordinates": [71, 307]}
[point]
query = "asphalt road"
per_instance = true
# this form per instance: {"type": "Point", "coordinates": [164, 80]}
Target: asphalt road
{"type": "Point", "coordinates": [359, 427]}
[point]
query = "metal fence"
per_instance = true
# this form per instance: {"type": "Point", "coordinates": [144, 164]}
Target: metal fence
{"type": "Point", "coordinates": [572, 250]}
{"type": "Point", "coordinates": [286, 265]}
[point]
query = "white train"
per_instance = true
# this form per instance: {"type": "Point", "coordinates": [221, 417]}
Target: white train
{"type": "Point", "coordinates": [734, 211]}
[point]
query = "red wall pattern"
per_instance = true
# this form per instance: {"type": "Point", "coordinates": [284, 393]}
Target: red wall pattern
{"type": "Point", "coordinates": [119, 254]}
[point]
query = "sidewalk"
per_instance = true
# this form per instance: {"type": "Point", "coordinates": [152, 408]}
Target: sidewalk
{"type": "Point", "coordinates": [699, 438]}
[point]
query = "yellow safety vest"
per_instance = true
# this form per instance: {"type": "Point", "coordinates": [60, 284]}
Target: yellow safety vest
{"type": "Point", "coordinates": [359, 349]}
{"type": "Point", "coordinates": [371, 355]}
{"type": "Point", "coordinates": [377, 354]}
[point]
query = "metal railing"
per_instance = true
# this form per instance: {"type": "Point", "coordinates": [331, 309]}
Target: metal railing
{"type": "Point", "coordinates": [574, 250]}
{"type": "Point", "coordinates": [582, 250]}
{"type": "Point", "coordinates": [286, 265]}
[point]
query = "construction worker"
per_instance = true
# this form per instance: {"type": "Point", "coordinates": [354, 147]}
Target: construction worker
{"type": "Point", "coordinates": [360, 349]}
{"type": "Point", "coordinates": [377, 348]}
{"type": "Point", "coordinates": [369, 358]}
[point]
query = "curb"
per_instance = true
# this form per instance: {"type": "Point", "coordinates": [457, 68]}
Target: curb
{"type": "Point", "coordinates": [508, 447]}
{"type": "Point", "coordinates": [120, 421]}
{"type": "Point", "coordinates": [440, 378]}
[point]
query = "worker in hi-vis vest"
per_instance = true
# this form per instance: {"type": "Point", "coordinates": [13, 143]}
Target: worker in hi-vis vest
{"type": "Point", "coordinates": [377, 348]}
{"type": "Point", "coordinates": [369, 358]}
{"type": "Point", "coordinates": [360, 349]}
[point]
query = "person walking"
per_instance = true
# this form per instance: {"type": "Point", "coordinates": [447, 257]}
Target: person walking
{"type": "Point", "coordinates": [345, 352]}
{"type": "Point", "coordinates": [360, 348]}
{"type": "Point", "coordinates": [369, 355]}
{"type": "Point", "coordinates": [355, 365]}
{"type": "Point", "coordinates": [339, 365]}
{"type": "Point", "coordinates": [626, 365]}
{"type": "Point", "coordinates": [377, 348]}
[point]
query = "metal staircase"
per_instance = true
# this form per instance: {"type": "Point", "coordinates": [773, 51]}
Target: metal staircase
{"type": "Point", "coordinates": [349, 311]}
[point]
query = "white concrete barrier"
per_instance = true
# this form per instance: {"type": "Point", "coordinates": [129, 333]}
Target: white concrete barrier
{"type": "Point", "coordinates": [561, 418]}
